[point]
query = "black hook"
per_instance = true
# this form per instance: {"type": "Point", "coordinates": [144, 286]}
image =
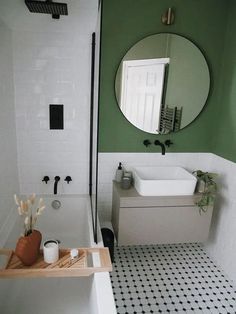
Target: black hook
{"type": "Point", "coordinates": [168, 143]}
{"type": "Point", "coordinates": [146, 143]}
{"type": "Point", "coordinates": [68, 179]}
{"type": "Point", "coordinates": [46, 179]}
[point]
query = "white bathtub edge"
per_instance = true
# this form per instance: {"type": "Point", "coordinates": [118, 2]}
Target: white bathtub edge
{"type": "Point", "coordinates": [102, 294]}
{"type": "Point", "coordinates": [105, 299]}
{"type": "Point", "coordinates": [101, 283]}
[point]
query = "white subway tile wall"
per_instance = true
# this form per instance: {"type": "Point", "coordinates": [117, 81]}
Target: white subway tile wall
{"type": "Point", "coordinates": [221, 244]}
{"type": "Point", "coordinates": [53, 67]}
{"type": "Point", "coordinates": [9, 184]}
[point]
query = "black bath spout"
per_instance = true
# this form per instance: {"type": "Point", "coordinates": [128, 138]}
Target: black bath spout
{"type": "Point", "coordinates": [57, 179]}
{"type": "Point", "coordinates": [163, 149]}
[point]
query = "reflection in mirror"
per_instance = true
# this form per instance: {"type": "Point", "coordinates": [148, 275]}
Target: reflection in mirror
{"type": "Point", "coordinates": [142, 90]}
{"type": "Point", "coordinates": [162, 83]}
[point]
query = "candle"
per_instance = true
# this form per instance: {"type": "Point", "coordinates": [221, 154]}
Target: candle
{"type": "Point", "coordinates": [50, 251]}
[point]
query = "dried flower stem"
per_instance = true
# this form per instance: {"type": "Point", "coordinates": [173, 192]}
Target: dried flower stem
{"type": "Point", "coordinates": [26, 208]}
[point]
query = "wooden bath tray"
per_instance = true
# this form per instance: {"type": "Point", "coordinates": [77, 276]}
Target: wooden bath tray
{"type": "Point", "coordinates": [64, 267]}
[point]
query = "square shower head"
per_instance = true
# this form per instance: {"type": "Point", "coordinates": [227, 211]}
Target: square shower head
{"type": "Point", "coordinates": [47, 7]}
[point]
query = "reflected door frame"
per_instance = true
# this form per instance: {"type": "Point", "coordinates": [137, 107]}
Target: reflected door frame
{"type": "Point", "coordinates": [145, 79]}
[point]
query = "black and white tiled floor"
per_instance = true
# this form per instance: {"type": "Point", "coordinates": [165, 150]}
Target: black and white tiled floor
{"type": "Point", "coordinates": [178, 278]}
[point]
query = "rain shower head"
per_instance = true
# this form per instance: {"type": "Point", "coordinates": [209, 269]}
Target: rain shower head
{"type": "Point", "coordinates": [47, 7]}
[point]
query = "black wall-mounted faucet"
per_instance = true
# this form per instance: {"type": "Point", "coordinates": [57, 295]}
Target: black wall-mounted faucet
{"type": "Point", "coordinates": [68, 179]}
{"type": "Point", "coordinates": [163, 148]}
{"type": "Point", "coordinates": [57, 179]}
{"type": "Point", "coordinates": [46, 179]}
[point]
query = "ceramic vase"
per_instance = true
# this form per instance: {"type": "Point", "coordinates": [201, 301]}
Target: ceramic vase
{"type": "Point", "coordinates": [27, 248]}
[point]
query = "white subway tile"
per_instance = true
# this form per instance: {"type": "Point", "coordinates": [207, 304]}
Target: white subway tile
{"type": "Point", "coordinates": [53, 68]}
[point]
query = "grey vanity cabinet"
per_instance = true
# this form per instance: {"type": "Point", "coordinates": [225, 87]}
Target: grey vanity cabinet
{"type": "Point", "coordinates": [143, 220]}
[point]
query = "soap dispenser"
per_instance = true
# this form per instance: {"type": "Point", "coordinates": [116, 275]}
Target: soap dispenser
{"type": "Point", "coordinates": [119, 173]}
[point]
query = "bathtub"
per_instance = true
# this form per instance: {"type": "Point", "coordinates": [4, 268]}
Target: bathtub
{"type": "Point", "coordinates": [72, 225]}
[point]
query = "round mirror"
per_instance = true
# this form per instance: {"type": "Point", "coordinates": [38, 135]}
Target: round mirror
{"type": "Point", "coordinates": [162, 83]}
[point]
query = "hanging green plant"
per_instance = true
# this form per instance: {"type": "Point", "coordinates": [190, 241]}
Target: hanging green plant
{"type": "Point", "coordinates": [207, 187]}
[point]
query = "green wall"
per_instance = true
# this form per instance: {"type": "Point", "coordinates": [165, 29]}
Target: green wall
{"type": "Point", "coordinates": [225, 140]}
{"type": "Point", "coordinates": [125, 22]}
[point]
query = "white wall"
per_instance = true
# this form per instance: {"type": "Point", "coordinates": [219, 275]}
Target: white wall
{"type": "Point", "coordinates": [52, 66]}
{"type": "Point", "coordinates": [8, 157]}
{"type": "Point", "coordinates": [221, 244]}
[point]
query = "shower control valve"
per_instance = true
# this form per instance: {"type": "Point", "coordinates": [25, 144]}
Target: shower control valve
{"type": "Point", "coordinates": [68, 179]}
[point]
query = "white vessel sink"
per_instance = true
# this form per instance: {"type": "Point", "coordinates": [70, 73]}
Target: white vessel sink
{"type": "Point", "coordinates": [157, 181]}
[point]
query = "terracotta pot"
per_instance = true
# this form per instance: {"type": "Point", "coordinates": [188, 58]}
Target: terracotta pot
{"type": "Point", "coordinates": [27, 248]}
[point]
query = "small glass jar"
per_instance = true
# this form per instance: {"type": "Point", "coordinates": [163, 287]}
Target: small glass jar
{"type": "Point", "coordinates": [126, 183]}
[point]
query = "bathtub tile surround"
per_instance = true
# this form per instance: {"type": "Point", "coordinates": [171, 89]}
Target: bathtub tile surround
{"type": "Point", "coordinates": [170, 279]}
{"type": "Point", "coordinates": [221, 244]}
{"type": "Point", "coordinates": [46, 65]}
{"type": "Point", "coordinates": [8, 157]}
{"type": "Point", "coordinates": [52, 66]}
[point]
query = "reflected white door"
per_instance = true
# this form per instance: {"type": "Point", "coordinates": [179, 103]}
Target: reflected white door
{"type": "Point", "coordinates": [141, 92]}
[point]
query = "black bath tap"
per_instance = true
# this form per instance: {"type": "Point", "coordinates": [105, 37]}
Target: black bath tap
{"type": "Point", "coordinates": [57, 179]}
{"type": "Point", "coordinates": [163, 149]}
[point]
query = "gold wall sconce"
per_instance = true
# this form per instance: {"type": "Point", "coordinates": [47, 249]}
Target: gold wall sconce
{"type": "Point", "coordinates": [168, 17]}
